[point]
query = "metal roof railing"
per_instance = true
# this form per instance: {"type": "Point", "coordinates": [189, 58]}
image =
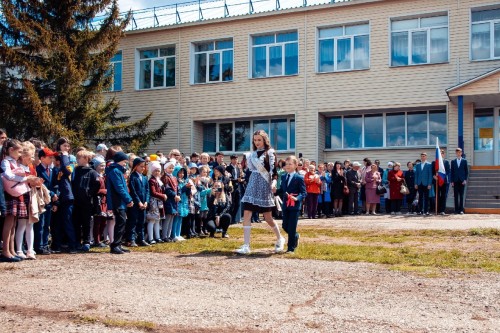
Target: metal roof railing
{"type": "Point", "coordinates": [198, 10]}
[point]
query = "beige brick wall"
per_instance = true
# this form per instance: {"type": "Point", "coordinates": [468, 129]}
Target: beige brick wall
{"type": "Point", "coordinates": [308, 96]}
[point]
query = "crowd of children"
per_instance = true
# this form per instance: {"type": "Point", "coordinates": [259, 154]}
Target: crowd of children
{"type": "Point", "coordinates": [52, 201]}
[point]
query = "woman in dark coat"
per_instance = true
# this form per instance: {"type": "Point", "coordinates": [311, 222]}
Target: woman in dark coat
{"type": "Point", "coordinates": [339, 182]}
{"type": "Point", "coordinates": [410, 182]}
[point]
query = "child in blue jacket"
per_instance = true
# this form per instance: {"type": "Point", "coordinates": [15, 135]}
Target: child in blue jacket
{"type": "Point", "coordinates": [118, 199]}
{"type": "Point", "coordinates": [139, 191]}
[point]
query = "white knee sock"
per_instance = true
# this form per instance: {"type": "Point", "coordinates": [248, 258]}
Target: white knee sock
{"type": "Point", "coordinates": [30, 237]}
{"type": "Point", "coordinates": [21, 228]}
{"type": "Point", "coordinates": [111, 230]}
{"type": "Point", "coordinates": [246, 234]}
{"type": "Point", "coordinates": [157, 230]}
{"type": "Point", "coordinates": [277, 232]}
{"type": "Point", "coordinates": [150, 231]}
{"type": "Point", "coordinates": [105, 232]}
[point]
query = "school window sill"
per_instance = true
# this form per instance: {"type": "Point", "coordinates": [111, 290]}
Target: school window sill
{"type": "Point", "coordinates": [483, 60]}
{"type": "Point", "coordinates": [193, 84]}
{"type": "Point", "coordinates": [272, 77]}
{"type": "Point", "coordinates": [156, 88]}
{"type": "Point", "coordinates": [418, 65]}
{"type": "Point", "coordinates": [345, 71]}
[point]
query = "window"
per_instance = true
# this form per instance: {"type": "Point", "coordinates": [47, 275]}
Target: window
{"type": "Point", "coordinates": [422, 40]}
{"type": "Point", "coordinates": [237, 136]}
{"type": "Point", "coordinates": [396, 129]}
{"type": "Point", "coordinates": [209, 137]}
{"type": "Point", "coordinates": [483, 129]}
{"type": "Point", "coordinates": [395, 132]}
{"type": "Point", "coordinates": [374, 137]}
{"type": "Point", "coordinates": [344, 48]}
{"type": "Point", "coordinates": [485, 34]}
{"type": "Point", "coordinates": [115, 70]}
{"type": "Point", "coordinates": [275, 55]}
{"type": "Point", "coordinates": [157, 68]}
{"type": "Point", "coordinates": [213, 61]}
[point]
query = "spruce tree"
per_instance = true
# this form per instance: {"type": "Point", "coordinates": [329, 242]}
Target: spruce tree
{"type": "Point", "coordinates": [56, 60]}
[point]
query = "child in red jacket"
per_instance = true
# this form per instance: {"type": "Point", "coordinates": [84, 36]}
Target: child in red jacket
{"type": "Point", "coordinates": [313, 188]}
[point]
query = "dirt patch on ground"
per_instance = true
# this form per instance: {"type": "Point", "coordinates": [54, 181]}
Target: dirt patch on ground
{"type": "Point", "coordinates": [221, 292]}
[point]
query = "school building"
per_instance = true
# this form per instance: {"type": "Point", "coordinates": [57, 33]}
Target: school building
{"type": "Point", "coordinates": [331, 80]}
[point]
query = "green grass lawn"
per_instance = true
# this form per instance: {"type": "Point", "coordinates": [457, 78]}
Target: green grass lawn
{"type": "Point", "coordinates": [424, 251]}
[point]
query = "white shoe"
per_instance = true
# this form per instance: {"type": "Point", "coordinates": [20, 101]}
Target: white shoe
{"type": "Point", "coordinates": [30, 255]}
{"type": "Point", "coordinates": [244, 249]}
{"type": "Point", "coordinates": [180, 239]}
{"type": "Point", "coordinates": [280, 245]}
{"type": "Point", "coordinates": [21, 254]}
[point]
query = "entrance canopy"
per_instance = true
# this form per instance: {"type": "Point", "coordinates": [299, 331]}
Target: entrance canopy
{"type": "Point", "coordinates": [483, 90]}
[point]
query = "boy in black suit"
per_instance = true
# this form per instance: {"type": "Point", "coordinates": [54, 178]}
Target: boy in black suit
{"type": "Point", "coordinates": [293, 188]}
{"type": "Point", "coordinates": [459, 175]}
{"type": "Point", "coordinates": [45, 171]}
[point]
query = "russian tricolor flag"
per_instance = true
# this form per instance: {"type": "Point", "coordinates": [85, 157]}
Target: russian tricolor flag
{"type": "Point", "coordinates": [439, 165]}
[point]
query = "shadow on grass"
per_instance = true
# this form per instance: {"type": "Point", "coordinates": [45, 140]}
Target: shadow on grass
{"type": "Point", "coordinates": [226, 254]}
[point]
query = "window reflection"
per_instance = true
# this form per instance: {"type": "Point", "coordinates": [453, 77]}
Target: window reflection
{"type": "Point", "coordinates": [374, 131]}
{"type": "Point", "coordinates": [395, 131]}
{"type": "Point", "coordinates": [281, 133]}
{"type": "Point", "coordinates": [226, 137]}
{"type": "Point", "coordinates": [242, 135]}
{"type": "Point", "coordinates": [352, 132]}
{"type": "Point", "coordinates": [417, 129]}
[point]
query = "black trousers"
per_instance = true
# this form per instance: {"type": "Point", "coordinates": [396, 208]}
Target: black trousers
{"type": "Point", "coordinates": [82, 216]}
{"type": "Point", "coordinates": [458, 192]}
{"type": "Point", "coordinates": [120, 223]}
{"type": "Point", "coordinates": [442, 193]}
{"type": "Point", "coordinates": [388, 206]}
{"type": "Point", "coordinates": [235, 204]}
{"type": "Point", "coordinates": [224, 222]}
{"type": "Point", "coordinates": [423, 199]}
{"type": "Point", "coordinates": [396, 205]}
{"type": "Point", "coordinates": [409, 199]}
{"type": "Point", "coordinates": [353, 200]}
{"type": "Point", "coordinates": [290, 221]}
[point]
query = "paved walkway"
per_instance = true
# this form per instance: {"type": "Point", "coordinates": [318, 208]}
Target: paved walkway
{"type": "Point", "coordinates": [451, 222]}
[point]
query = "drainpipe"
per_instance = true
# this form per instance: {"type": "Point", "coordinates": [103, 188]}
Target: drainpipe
{"type": "Point", "coordinates": [461, 124]}
{"type": "Point", "coordinates": [179, 98]}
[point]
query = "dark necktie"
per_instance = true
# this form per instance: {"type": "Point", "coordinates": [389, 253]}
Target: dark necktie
{"type": "Point", "coordinates": [287, 179]}
{"type": "Point", "coordinates": [48, 172]}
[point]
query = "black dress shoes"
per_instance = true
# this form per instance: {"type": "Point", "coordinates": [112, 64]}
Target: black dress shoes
{"type": "Point", "coordinates": [116, 250]}
{"type": "Point", "coordinates": [124, 249]}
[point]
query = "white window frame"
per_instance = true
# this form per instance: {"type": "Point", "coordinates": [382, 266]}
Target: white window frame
{"type": "Point", "coordinates": [112, 68]}
{"type": "Point", "coordinates": [492, 33]}
{"type": "Point", "coordinates": [151, 60]}
{"type": "Point", "coordinates": [410, 38]}
{"type": "Point", "coordinates": [251, 121]}
{"type": "Point", "coordinates": [208, 53]}
{"type": "Point", "coordinates": [283, 55]}
{"type": "Point", "coordinates": [335, 48]}
{"type": "Point", "coordinates": [384, 130]}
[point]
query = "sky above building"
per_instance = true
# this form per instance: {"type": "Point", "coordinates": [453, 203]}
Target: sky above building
{"type": "Point", "coordinates": [141, 4]}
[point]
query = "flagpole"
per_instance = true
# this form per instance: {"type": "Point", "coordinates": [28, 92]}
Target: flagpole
{"type": "Point", "coordinates": [437, 176]}
{"type": "Point", "coordinates": [437, 192]}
